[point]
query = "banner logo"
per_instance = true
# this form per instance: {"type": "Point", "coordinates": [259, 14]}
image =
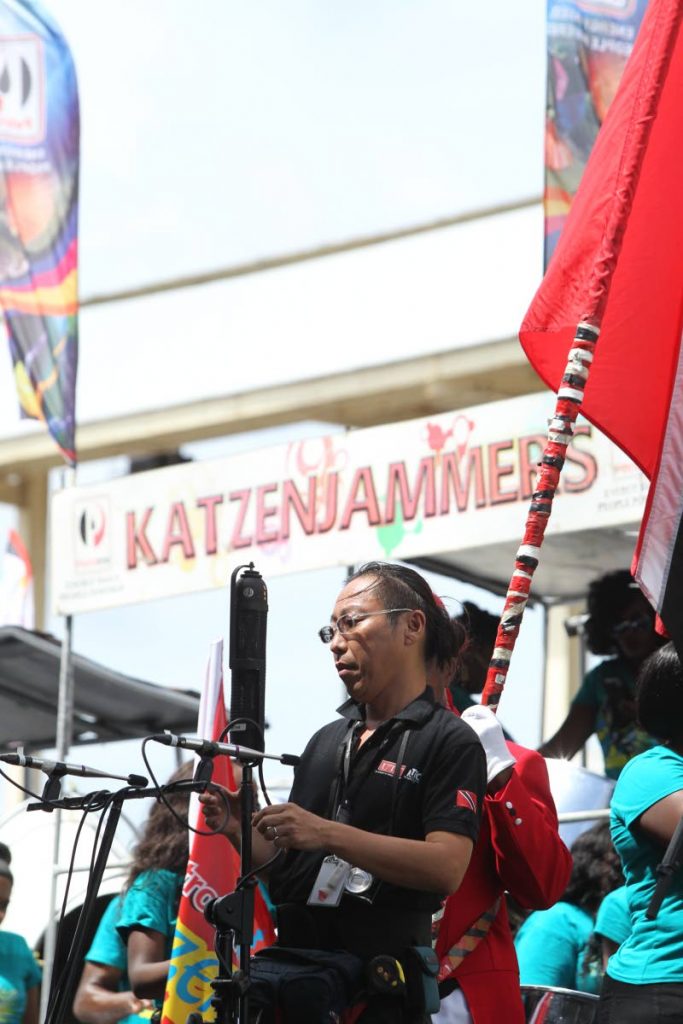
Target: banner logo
{"type": "Point", "coordinates": [22, 99]}
{"type": "Point", "coordinates": [92, 533]}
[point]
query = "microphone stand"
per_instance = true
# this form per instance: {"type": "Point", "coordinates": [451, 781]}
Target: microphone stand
{"type": "Point", "coordinates": [671, 862]}
{"type": "Point", "coordinates": [62, 997]}
{"type": "Point", "coordinates": [233, 915]}
{"type": "Point", "coordinates": [233, 918]}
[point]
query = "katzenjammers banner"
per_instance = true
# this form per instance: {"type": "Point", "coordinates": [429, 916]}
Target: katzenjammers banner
{"type": "Point", "coordinates": [39, 144]}
{"type": "Point", "coordinates": [589, 42]}
{"type": "Point", "coordinates": [457, 483]}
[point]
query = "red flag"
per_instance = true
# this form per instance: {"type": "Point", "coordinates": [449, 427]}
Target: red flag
{"type": "Point", "coordinates": [618, 266]}
{"type": "Point", "coordinates": [212, 870]}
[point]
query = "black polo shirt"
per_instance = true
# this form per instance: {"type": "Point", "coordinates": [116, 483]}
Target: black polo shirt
{"type": "Point", "coordinates": [440, 788]}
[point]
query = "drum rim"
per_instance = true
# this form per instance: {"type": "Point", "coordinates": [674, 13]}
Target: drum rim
{"type": "Point", "coordinates": [588, 996]}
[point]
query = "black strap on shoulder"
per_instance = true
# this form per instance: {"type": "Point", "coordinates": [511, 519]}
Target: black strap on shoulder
{"type": "Point", "coordinates": [343, 750]}
{"type": "Point", "coordinates": [397, 776]}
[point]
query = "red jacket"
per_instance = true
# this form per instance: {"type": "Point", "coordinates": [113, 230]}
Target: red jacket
{"type": "Point", "coordinates": [519, 850]}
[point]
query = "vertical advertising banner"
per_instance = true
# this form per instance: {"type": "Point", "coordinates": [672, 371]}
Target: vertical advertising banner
{"type": "Point", "coordinates": [589, 42]}
{"type": "Point", "coordinates": [39, 143]}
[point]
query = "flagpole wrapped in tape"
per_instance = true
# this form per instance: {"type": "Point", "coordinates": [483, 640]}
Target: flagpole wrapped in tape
{"type": "Point", "coordinates": [617, 272]}
{"type": "Point", "coordinates": [560, 433]}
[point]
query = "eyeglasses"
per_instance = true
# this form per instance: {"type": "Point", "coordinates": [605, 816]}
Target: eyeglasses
{"type": "Point", "coordinates": [347, 623]}
{"type": "Point", "coordinates": [4, 904]}
{"type": "Point", "coordinates": [628, 625]}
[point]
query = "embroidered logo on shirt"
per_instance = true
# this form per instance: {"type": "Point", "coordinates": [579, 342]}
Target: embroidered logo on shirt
{"type": "Point", "coordinates": [389, 768]}
{"type": "Point", "coordinates": [466, 798]}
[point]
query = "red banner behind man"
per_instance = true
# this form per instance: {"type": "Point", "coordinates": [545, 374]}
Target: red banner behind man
{"type": "Point", "coordinates": [212, 870]}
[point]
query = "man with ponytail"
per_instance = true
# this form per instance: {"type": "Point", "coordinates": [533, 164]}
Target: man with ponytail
{"type": "Point", "coordinates": [386, 802]}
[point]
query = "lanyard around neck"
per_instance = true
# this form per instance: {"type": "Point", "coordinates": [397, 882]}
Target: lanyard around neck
{"type": "Point", "coordinates": [342, 804]}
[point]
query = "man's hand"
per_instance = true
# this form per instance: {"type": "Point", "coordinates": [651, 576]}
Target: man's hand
{"type": "Point", "coordinates": [214, 807]}
{"type": "Point", "coordinates": [290, 826]}
{"type": "Point", "coordinates": [499, 760]}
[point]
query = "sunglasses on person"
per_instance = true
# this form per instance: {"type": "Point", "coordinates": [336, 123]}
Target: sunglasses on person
{"type": "Point", "coordinates": [629, 625]}
{"type": "Point", "coordinates": [346, 624]}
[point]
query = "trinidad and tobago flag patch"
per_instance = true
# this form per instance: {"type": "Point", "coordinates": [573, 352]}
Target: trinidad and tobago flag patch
{"type": "Point", "coordinates": [466, 798]}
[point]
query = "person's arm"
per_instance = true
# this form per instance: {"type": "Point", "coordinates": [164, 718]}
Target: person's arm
{"type": "Point", "coordinates": [147, 963]}
{"type": "Point", "coordinates": [436, 864]}
{"type": "Point", "coordinates": [572, 734]}
{"type": "Point", "coordinates": [32, 1007]}
{"type": "Point", "coordinates": [660, 820]}
{"type": "Point", "coordinates": [98, 999]}
{"type": "Point", "coordinates": [532, 861]}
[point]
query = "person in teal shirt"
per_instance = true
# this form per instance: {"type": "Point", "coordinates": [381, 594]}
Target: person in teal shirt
{"type": "Point", "coordinates": [644, 978]}
{"type": "Point", "coordinates": [621, 623]}
{"type": "Point", "coordinates": [553, 946]}
{"type": "Point", "coordinates": [19, 973]}
{"type": "Point", "coordinates": [104, 994]}
{"type": "Point", "coordinates": [150, 904]}
{"type": "Point", "coordinates": [613, 923]}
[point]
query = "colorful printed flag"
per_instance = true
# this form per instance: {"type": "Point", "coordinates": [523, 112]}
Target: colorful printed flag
{"type": "Point", "coordinates": [212, 870]}
{"type": "Point", "coordinates": [589, 42]}
{"type": "Point", "coordinates": [618, 266]}
{"type": "Point", "coordinates": [39, 144]}
{"type": "Point", "coordinates": [16, 585]}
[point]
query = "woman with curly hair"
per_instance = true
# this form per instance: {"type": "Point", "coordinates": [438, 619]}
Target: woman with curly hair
{"type": "Point", "coordinates": [621, 624]}
{"type": "Point", "coordinates": [644, 978]}
{"type": "Point", "coordinates": [150, 905]}
{"type": "Point", "coordinates": [553, 946]}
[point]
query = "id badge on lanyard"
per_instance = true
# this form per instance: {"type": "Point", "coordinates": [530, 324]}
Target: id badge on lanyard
{"type": "Point", "coordinates": [329, 885]}
{"type": "Point", "coordinates": [334, 872]}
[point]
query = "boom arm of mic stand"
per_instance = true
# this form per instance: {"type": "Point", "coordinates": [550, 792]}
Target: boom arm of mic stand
{"type": "Point", "coordinates": [61, 1004]}
{"type": "Point", "coordinates": [64, 995]}
{"type": "Point", "coordinates": [670, 863]}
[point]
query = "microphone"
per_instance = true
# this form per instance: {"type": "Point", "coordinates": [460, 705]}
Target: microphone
{"type": "Point", "coordinates": [62, 768]}
{"type": "Point", "coordinates": [212, 748]}
{"type": "Point", "coordinates": [205, 748]}
{"type": "Point", "coordinates": [248, 617]}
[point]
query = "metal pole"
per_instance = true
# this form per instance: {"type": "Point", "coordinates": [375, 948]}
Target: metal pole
{"type": "Point", "coordinates": [65, 706]}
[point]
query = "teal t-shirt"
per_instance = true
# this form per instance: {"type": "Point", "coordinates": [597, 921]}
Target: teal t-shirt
{"type": "Point", "coordinates": [653, 952]}
{"type": "Point", "coordinates": [19, 972]}
{"type": "Point", "coordinates": [551, 949]}
{"type": "Point", "coordinates": [613, 919]}
{"type": "Point", "coordinates": [108, 948]}
{"type": "Point", "coordinates": [152, 902]}
{"type": "Point", "coordinates": [610, 688]}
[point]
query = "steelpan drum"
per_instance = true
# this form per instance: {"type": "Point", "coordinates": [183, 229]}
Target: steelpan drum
{"type": "Point", "coordinates": [558, 1005]}
{"type": "Point", "coordinates": [576, 789]}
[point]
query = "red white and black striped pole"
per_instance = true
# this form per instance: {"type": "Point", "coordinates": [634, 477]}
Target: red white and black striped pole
{"type": "Point", "coordinates": [560, 433]}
